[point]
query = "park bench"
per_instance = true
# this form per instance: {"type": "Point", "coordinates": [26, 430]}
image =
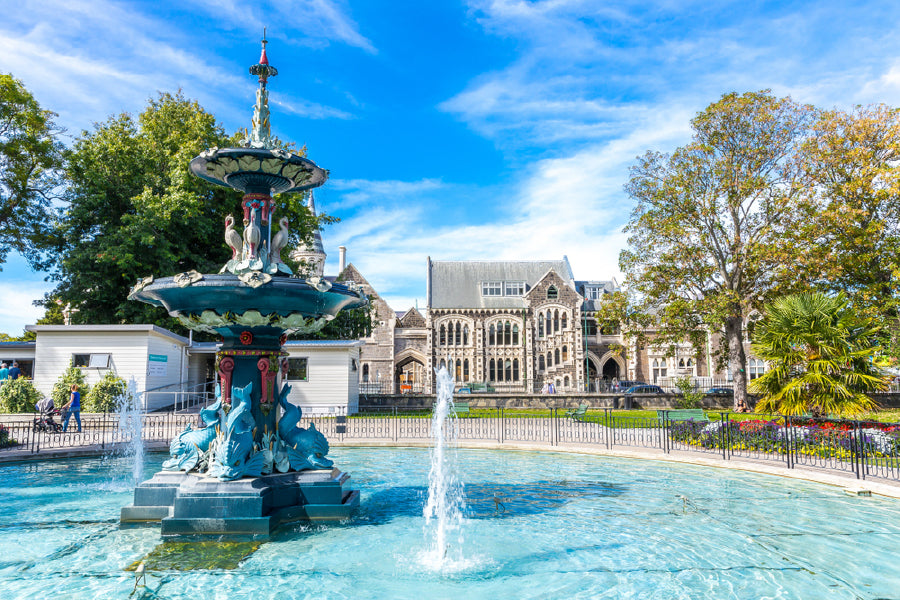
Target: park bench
{"type": "Point", "coordinates": [685, 414]}
{"type": "Point", "coordinates": [577, 414]}
{"type": "Point", "coordinates": [460, 408]}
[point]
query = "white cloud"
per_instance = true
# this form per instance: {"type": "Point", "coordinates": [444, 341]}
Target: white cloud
{"type": "Point", "coordinates": [16, 308]}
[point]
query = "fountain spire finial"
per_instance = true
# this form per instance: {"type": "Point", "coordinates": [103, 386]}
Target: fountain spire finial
{"type": "Point", "coordinates": [260, 133]}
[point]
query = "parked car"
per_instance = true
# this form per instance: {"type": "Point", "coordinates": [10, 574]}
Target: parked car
{"type": "Point", "coordinates": [720, 391]}
{"type": "Point", "coordinates": [621, 386]}
{"type": "Point", "coordinates": [644, 389]}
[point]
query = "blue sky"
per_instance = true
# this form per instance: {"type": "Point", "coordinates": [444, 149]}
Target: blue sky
{"type": "Point", "coordinates": [456, 130]}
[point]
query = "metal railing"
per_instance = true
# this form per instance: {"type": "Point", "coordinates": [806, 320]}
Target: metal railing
{"type": "Point", "coordinates": [865, 450]}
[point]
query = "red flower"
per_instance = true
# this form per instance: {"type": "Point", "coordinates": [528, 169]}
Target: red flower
{"type": "Point", "coordinates": [246, 338]}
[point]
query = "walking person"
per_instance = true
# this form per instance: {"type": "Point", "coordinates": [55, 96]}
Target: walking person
{"type": "Point", "coordinates": [14, 371]}
{"type": "Point", "coordinates": [4, 372]}
{"type": "Point", "coordinates": [73, 406]}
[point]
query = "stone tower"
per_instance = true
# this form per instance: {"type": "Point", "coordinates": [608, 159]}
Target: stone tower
{"type": "Point", "coordinates": [313, 255]}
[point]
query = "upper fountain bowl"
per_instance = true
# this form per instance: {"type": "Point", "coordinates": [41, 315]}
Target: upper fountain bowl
{"type": "Point", "coordinates": [258, 170]}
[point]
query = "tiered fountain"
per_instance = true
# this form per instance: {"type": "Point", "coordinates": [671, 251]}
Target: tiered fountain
{"type": "Point", "coordinates": [250, 466]}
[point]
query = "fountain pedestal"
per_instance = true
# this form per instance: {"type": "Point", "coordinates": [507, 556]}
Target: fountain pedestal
{"type": "Point", "coordinates": [250, 465]}
{"type": "Point", "coordinates": [189, 505]}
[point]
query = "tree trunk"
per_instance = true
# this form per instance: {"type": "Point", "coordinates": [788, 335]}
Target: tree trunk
{"type": "Point", "coordinates": [737, 359]}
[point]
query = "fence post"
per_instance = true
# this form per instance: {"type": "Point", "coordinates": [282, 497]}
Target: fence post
{"type": "Point", "coordinates": [606, 426]}
{"type": "Point", "coordinates": [723, 434]}
{"type": "Point", "coordinates": [789, 441]}
{"type": "Point", "coordinates": [857, 446]}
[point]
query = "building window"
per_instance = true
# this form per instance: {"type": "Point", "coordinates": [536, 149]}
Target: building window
{"type": "Point", "coordinates": [491, 288]}
{"type": "Point", "coordinates": [549, 323]}
{"type": "Point", "coordinates": [549, 359]}
{"type": "Point", "coordinates": [514, 288]}
{"type": "Point", "coordinates": [552, 293]}
{"type": "Point", "coordinates": [507, 334]}
{"type": "Point", "coordinates": [90, 361]}
{"type": "Point", "coordinates": [590, 327]}
{"type": "Point", "coordinates": [757, 368]}
{"type": "Point", "coordinates": [515, 369]}
{"type": "Point", "coordinates": [466, 335]}
{"type": "Point", "coordinates": [541, 325]}
{"type": "Point", "coordinates": [458, 335]}
{"type": "Point", "coordinates": [508, 371]}
{"type": "Point", "coordinates": [298, 369]}
{"type": "Point", "coordinates": [555, 321]}
{"type": "Point", "coordinates": [443, 364]}
{"type": "Point", "coordinates": [365, 372]}
{"type": "Point", "coordinates": [556, 356]}
{"type": "Point", "coordinates": [443, 340]}
{"type": "Point", "coordinates": [540, 362]}
{"type": "Point", "coordinates": [593, 292]}
{"type": "Point", "coordinates": [565, 353]}
{"type": "Point", "coordinates": [492, 372]}
{"type": "Point", "coordinates": [515, 335]}
{"type": "Point", "coordinates": [466, 370]}
{"type": "Point", "coordinates": [659, 369]}
{"type": "Point", "coordinates": [566, 382]}
{"type": "Point", "coordinates": [458, 375]}
{"type": "Point", "coordinates": [565, 322]}
{"type": "Point", "coordinates": [492, 339]}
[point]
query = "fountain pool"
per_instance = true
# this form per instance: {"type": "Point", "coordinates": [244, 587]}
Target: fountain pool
{"type": "Point", "coordinates": [566, 526]}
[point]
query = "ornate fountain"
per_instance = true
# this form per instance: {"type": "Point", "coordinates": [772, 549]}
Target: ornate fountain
{"type": "Point", "coordinates": [251, 466]}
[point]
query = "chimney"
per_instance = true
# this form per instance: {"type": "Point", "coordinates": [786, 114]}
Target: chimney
{"type": "Point", "coordinates": [343, 258]}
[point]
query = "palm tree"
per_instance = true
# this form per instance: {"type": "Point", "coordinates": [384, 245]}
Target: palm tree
{"type": "Point", "coordinates": [821, 357]}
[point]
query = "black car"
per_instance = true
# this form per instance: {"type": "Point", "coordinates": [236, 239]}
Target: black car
{"type": "Point", "coordinates": [621, 386]}
{"type": "Point", "coordinates": [720, 391]}
{"type": "Point", "coordinates": [644, 389]}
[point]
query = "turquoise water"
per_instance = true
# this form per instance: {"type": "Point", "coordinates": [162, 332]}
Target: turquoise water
{"type": "Point", "coordinates": [573, 527]}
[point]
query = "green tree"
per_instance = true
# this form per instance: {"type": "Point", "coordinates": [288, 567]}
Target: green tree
{"type": "Point", "coordinates": [852, 237]}
{"type": "Point", "coordinates": [710, 235]}
{"type": "Point", "coordinates": [820, 355]}
{"type": "Point", "coordinates": [106, 394]}
{"type": "Point", "coordinates": [62, 389]}
{"type": "Point", "coordinates": [689, 395]}
{"type": "Point", "coordinates": [30, 159]}
{"type": "Point", "coordinates": [136, 210]}
{"type": "Point", "coordinates": [18, 396]}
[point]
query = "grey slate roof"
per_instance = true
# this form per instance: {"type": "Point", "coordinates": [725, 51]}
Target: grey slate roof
{"type": "Point", "coordinates": [608, 288]}
{"type": "Point", "coordinates": [457, 284]}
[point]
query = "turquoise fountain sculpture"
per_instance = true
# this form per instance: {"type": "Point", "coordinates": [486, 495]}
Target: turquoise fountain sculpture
{"type": "Point", "coordinates": [246, 470]}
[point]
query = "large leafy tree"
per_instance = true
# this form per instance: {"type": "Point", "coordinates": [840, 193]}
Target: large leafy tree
{"type": "Point", "coordinates": [30, 158]}
{"type": "Point", "coordinates": [709, 235]}
{"type": "Point", "coordinates": [820, 356]}
{"type": "Point", "coordinates": [853, 230]}
{"type": "Point", "coordinates": [134, 209]}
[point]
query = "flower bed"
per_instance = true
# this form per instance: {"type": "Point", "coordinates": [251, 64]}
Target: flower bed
{"type": "Point", "coordinates": [809, 437]}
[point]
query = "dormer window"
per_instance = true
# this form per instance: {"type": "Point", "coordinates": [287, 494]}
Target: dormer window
{"type": "Point", "coordinates": [492, 288]}
{"type": "Point", "coordinates": [552, 293]}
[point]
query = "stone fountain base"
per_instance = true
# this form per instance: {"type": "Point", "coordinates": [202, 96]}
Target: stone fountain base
{"type": "Point", "coordinates": [188, 505]}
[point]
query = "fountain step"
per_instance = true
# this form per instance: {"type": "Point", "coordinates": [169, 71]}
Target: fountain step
{"type": "Point", "coordinates": [254, 527]}
{"type": "Point", "coordinates": [143, 514]}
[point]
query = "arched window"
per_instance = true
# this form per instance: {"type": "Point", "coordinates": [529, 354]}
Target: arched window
{"type": "Point", "coordinates": [549, 359]}
{"type": "Point", "coordinates": [507, 334]}
{"type": "Point", "coordinates": [690, 362]}
{"type": "Point", "coordinates": [556, 356]}
{"type": "Point", "coordinates": [365, 372]}
{"type": "Point", "coordinates": [492, 372]}
{"type": "Point", "coordinates": [465, 335]}
{"type": "Point", "coordinates": [466, 370]}
{"type": "Point", "coordinates": [443, 335]}
{"type": "Point", "coordinates": [508, 371]}
{"type": "Point", "coordinates": [552, 293]}
{"type": "Point", "coordinates": [458, 375]}
{"type": "Point", "coordinates": [565, 353]}
{"type": "Point", "coordinates": [515, 369]}
{"type": "Point", "coordinates": [443, 364]}
{"type": "Point", "coordinates": [541, 325]}
{"type": "Point", "coordinates": [680, 363]}
{"type": "Point", "coordinates": [515, 338]}
{"type": "Point", "coordinates": [458, 334]}
{"type": "Point", "coordinates": [566, 381]}
{"type": "Point", "coordinates": [564, 322]}
{"type": "Point", "coordinates": [541, 362]}
{"type": "Point", "coordinates": [492, 339]}
{"type": "Point", "coordinates": [549, 323]}
{"type": "Point", "coordinates": [555, 321]}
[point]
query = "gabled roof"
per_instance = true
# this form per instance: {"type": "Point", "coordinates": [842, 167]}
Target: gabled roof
{"type": "Point", "coordinates": [457, 284]}
{"type": "Point", "coordinates": [411, 318]}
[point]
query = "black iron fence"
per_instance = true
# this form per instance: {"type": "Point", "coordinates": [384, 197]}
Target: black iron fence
{"type": "Point", "coordinates": [863, 449]}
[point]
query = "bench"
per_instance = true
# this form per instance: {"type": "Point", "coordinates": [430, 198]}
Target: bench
{"type": "Point", "coordinates": [577, 414]}
{"type": "Point", "coordinates": [685, 414]}
{"type": "Point", "coordinates": [460, 408]}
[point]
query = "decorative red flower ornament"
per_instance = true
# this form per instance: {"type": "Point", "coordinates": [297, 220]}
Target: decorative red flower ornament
{"type": "Point", "coordinates": [246, 338]}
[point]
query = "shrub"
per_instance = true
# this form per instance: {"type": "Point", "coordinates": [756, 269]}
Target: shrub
{"type": "Point", "coordinates": [689, 396]}
{"type": "Point", "coordinates": [106, 394]}
{"type": "Point", "coordinates": [62, 389]}
{"type": "Point", "coordinates": [5, 440]}
{"type": "Point", "coordinates": [18, 396]}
